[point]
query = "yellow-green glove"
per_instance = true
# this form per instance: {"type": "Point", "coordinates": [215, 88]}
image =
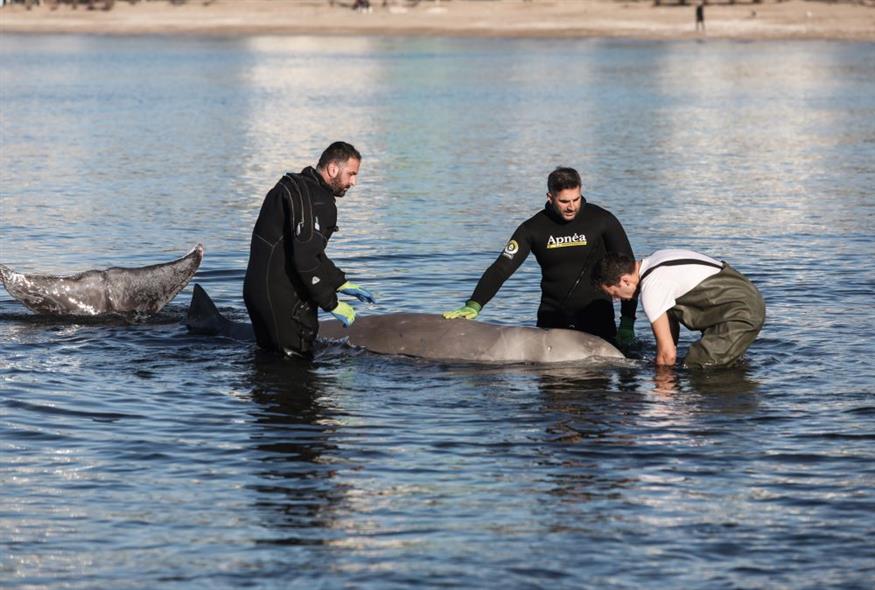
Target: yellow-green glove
{"type": "Point", "coordinates": [626, 331]}
{"type": "Point", "coordinates": [360, 293]}
{"type": "Point", "coordinates": [345, 313]}
{"type": "Point", "coordinates": [469, 311]}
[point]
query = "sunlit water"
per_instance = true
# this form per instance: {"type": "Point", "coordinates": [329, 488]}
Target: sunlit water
{"type": "Point", "coordinates": [139, 456]}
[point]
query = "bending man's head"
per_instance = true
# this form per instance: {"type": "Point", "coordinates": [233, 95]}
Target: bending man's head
{"type": "Point", "coordinates": [616, 275]}
{"type": "Point", "coordinates": [339, 167]}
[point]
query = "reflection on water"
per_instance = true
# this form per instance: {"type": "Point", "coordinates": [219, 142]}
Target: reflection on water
{"type": "Point", "coordinates": [134, 455]}
{"type": "Point", "coordinates": [709, 383]}
{"type": "Point", "coordinates": [293, 440]}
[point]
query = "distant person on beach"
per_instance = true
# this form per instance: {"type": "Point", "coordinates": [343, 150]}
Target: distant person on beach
{"type": "Point", "coordinates": [289, 274]}
{"type": "Point", "coordinates": [700, 16]}
{"type": "Point", "coordinates": [684, 287]}
{"type": "Point", "coordinates": [568, 236]}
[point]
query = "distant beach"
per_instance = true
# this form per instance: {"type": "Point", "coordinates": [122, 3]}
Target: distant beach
{"type": "Point", "coordinates": [794, 19]}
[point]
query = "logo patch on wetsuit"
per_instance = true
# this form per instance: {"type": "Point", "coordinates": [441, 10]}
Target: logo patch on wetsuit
{"type": "Point", "coordinates": [566, 241]}
{"type": "Point", "coordinates": [316, 225]}
{"type": "Point", "coordinates": [315, 281]}
{"type": "Point", "coordinates": [299, 228]}
{"type": "Point", "coordinates": [511, 249]}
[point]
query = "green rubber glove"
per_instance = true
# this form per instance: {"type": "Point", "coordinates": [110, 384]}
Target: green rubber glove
{"type": "Point", "coordinates": [626, 332]}
{"type": "Point", "coordinates": [345, 313]}
{"type": "Point", "coordinates": [360, 293]}
{"type": "Point", "coordinates": [469, 311]}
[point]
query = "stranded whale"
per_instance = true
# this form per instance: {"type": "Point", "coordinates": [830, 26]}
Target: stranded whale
{"type": "Point", "coordinates": [428, 336]}
{"type": "Point", "coordinates": [143, 290]}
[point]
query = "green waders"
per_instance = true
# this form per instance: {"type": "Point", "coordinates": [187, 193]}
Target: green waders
{"type": "Point", "coordinates": [728, 310]}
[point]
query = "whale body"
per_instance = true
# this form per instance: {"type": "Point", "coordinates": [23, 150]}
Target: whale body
{"type": "Point", "coordinates": [432, 336]}
{"type": "Point", "coordinates": [143, 290]}
{"type": "Point", "coordinates": [428, 336]}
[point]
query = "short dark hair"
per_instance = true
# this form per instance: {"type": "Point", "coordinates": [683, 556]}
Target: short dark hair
{"type": "Point", "coordinates": [561, 179]}
{"type": "Point", "coordinates": [611, 267]}
{"type": "Point", "coordinates": [339, 152]}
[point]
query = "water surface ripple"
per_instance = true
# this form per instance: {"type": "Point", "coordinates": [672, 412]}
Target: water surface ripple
{"type": "Point", "coordinates": [136, 455]}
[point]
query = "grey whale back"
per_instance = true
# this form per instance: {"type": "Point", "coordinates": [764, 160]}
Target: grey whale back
{"type": "Point", "coordinates": [143, 290]}
{"type": "Point", "coordinates": [427, 336]}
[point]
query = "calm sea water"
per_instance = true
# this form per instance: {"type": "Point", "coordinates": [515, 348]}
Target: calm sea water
{"type": "Point", "coordinates": [139, 456]}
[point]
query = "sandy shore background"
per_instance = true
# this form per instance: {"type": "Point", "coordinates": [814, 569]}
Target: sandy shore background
{"type": "Point", "coordinates": [794, 19]}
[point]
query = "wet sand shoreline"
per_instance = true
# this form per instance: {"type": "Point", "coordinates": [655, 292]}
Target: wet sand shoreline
{"type": "Point", "coordinates": [794, 19]}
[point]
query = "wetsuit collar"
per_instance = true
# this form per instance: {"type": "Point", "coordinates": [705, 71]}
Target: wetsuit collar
{"type": "Point", "coordinates": [314, 174]}
{"type": "Point", "coordinates": [551, 212]}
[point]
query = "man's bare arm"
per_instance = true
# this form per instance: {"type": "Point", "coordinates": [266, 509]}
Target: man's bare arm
{"type": "Point", "coordinates": [666, 351]}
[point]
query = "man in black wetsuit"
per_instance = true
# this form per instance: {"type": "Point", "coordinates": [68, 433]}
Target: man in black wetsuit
{"type": "Point", "coordinates": [568, 237]}
{"type": "Point", "coordinates": [289, 274]}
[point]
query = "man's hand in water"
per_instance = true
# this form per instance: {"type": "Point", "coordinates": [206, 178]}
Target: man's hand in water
{"type": "Point", "coordinates": [626, 331]}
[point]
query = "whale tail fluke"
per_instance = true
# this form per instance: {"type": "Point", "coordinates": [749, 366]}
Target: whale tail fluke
{"type": "Point", "coordinates": [206, 319]}
{"type": "Point", "coordinates": [137, 292]}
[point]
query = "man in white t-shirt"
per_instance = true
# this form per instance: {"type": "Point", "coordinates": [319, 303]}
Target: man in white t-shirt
{"type": "Point", "coordinates": [685, 287]}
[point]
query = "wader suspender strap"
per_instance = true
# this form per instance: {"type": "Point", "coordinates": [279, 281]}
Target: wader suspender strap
{"type": "Point", "coordinates": [678, 262]}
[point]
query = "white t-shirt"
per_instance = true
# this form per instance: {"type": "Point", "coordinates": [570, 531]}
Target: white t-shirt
{"type": "Point", "coordinates": [664, 286]}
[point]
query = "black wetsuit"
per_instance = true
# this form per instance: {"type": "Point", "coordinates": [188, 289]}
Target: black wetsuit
{"type": "Point", "coordinates": [567, 252]}
{"type": "Point", "coordinates": [288, 273]}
